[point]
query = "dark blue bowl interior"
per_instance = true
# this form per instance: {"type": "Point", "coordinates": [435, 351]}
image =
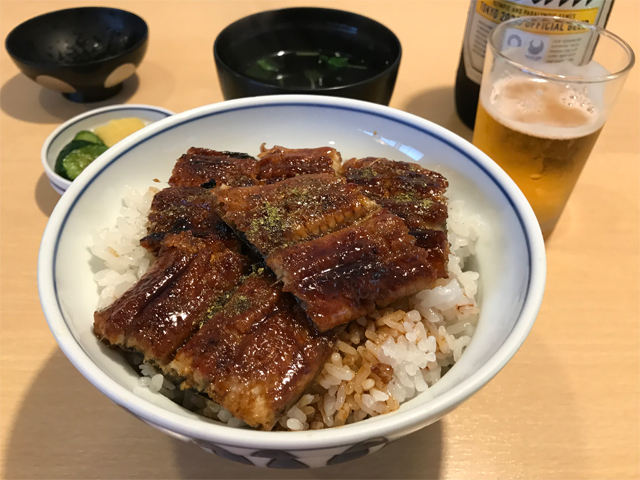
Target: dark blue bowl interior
{"type": "Point", "coordinates": [76, 36]}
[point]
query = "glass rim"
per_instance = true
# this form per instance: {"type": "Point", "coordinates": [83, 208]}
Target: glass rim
{"type": "Point", "coordinates": [563, 78]}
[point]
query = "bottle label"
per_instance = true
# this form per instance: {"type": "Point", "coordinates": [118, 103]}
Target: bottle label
{"type": "Point", "coordinates": [485, 15]}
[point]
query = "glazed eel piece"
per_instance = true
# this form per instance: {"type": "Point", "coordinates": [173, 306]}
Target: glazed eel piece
{"type": "Point", "coordinates": [210, 167]}
{"type": "Point", "coordinates": [336, 250]}
{"type": "Point", "coordinates": [340, 277]}
{"type": "Point", "coordinates": [189, 282]}
{"type": "Point", "coordinates": [176, 209]}
{"type": "Point", "coordinates": [413, 193]}
{"type": "Point", "coordinates": [270, 217]}
{"type": "Point", "coordinates": [279, 163]}
{"type": "Point", "coordinates": [257, 355]}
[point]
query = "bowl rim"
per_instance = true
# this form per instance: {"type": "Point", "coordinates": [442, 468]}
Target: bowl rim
{"type": "Point", "coordinates": [383, 425]}
{"type": "Point", "coordinates": [395, 65]}
{"type": "Point", "coordinates": [61, 182]}
{"type": "Point", "coordinates": [14, 30]}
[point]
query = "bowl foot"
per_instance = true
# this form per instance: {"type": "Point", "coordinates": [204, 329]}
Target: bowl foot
{"type": "Point", "coordinates": [94, 95]}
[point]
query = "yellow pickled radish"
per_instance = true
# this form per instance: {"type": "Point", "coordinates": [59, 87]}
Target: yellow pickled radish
{"type": "Point", "coordinates": [116, 130]}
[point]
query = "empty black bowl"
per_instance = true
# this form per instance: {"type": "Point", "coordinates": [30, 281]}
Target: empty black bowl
{"type": "Point", "coordinates": [308, 50]}
{"type": "Point", "coordinates": [85, 53]}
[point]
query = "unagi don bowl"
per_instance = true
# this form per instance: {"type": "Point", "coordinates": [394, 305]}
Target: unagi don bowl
{"type": "Point", "coordinates": [510, 258]}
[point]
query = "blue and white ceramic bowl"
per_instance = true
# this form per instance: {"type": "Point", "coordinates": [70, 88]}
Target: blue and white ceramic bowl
{"type": "Point", "coordinates": [88, 121]}
{"type": "Point", "coordinates": [510, 258]}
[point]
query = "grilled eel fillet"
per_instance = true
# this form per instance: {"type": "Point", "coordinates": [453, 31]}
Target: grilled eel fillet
{"type": "Point", "coordinates": [204, 166]}
{"type": "Point", "coordinates": [197, 316]}
{"type": "Point", "coordinates": [274, 216]}
{"type": "Point", "coordinates": [188, 283]}
{"type": "Point", "coordinates": [257, 355]}
{"type": "Point", "coordinates": [279, 163]}
{"type": "Point", "coordinates": [362, 254]}
{"type": "Point", "coordinates": [413, 193]}
{"type": "Point", "coordinates": [342, 276]}
{"type": "Point", "coordinates": [176, 209]}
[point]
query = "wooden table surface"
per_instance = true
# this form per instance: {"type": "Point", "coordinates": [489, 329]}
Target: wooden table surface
{"type": "Point", "coordinates": [566, 406]}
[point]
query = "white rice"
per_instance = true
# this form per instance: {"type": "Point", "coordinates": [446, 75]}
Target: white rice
{"type": "Point", "coordinates": [125, 260]}
{"type": "Point", "coordinates": [420, 337]}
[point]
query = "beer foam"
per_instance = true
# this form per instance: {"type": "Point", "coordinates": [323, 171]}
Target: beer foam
{"type": "Point", "coordinates": [589, 70]}
{"type": "Point", "coordinates": [543, 108]}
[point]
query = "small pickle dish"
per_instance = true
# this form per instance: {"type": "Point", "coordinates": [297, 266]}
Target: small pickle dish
{"type": "Point", "coordinates": [87, 122]}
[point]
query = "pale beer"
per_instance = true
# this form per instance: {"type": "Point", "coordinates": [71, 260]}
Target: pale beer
{"type": "Point", "coordinates": [541, 133]}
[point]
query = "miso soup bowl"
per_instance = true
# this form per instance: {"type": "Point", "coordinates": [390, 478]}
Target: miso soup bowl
{"type": "Point", "coordinates": [510, 259]}
{"type": "Point", "coordinates": [304, 30]}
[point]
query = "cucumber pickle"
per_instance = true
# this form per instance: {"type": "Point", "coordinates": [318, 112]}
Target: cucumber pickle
{"type": "Point", "coordinates": [77, 160]}
{"type": "Point", "coordinates": [85, 147]}
{"type": "Point", "coordinates": [88, 136]}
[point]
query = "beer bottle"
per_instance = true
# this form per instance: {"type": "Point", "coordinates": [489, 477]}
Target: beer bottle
{"type": "Point", "coordinates": [484, 15]}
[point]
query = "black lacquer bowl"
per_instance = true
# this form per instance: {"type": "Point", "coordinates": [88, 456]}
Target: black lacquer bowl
{"type": "Point", "coordinates": [308, 50]}
{"type": "Point", "coordinates": [85, 53]}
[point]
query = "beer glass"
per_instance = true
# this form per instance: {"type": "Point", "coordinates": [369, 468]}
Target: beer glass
{"type": "Point", "coordinates": [548, 86]}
